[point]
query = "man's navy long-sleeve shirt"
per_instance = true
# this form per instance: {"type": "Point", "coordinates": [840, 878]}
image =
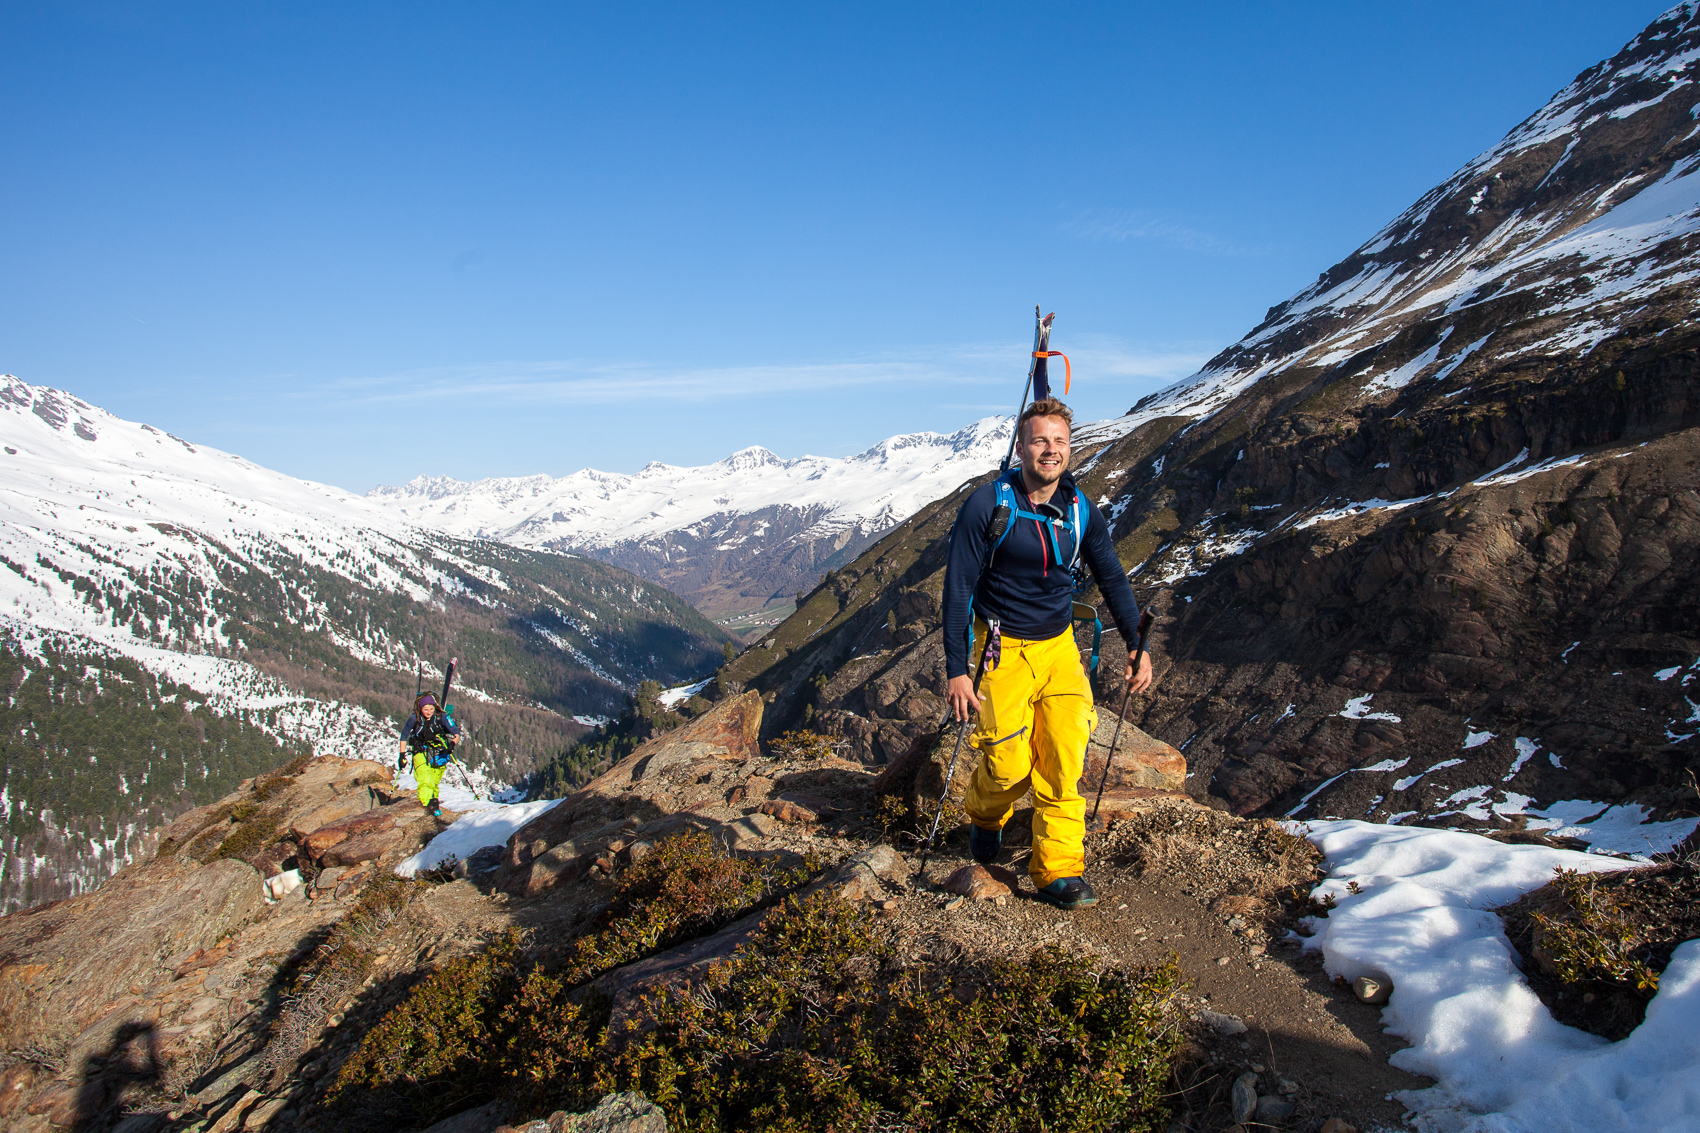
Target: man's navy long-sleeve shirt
{"type": "Point", "coordinates": [1025, 588]}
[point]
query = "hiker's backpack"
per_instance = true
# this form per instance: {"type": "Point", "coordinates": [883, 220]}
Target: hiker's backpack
{"type": "Point", "coordinates": [435, 744]}
{"type": "Point", "coordinates": [442, 756]}
{"type": "Point", "coordinates": [1073, 522]}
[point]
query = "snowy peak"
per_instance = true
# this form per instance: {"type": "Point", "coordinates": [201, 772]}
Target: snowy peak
{"type": "Point", "coordinates": [661, 521]}
{"type": "Point", "coordinates": [747, 459]}
{"type": "Point", "coordinates": [1584, 217]}
{"type": "Point", "coordinates": [601, 509]}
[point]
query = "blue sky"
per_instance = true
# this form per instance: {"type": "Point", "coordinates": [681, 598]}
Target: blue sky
{"type": "Point", "coordinates": [359, 242]}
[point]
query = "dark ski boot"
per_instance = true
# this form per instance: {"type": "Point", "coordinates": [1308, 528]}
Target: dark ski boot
{"type": "Point", "coordinates": [1069, 893]}
{"type": "Point", "coordinates": [984, 844]}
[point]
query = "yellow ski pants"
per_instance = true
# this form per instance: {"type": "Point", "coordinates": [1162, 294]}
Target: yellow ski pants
{"type": "Point", "coordinates": [1034, 726]}
{"type": "Point", "coordinates": [427, 777]}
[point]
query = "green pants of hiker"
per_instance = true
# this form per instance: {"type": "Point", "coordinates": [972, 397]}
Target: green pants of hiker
{"type": "Point", "coordinates": [427, 777]}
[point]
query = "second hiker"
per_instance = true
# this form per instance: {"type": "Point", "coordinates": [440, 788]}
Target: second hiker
{"type": "Point", "coordinates": [1035, 708]}
{"type": "Point", "coordinates": [431, 736]}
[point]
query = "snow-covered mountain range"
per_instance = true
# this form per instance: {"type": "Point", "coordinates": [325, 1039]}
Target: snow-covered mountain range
{"type": "Point", "coordinates": [144, 574]}
{"type": "Point", "coordinates": [730, 536]}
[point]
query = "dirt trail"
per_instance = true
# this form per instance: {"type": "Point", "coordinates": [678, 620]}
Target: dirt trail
{"type": "Point", "coordinates": [1300, 1026]}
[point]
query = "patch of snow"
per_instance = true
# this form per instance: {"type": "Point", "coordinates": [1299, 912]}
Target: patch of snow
{"type": "Point", "coordinates": [1526, 749]}
{"type": "Point", "coordinates": [1533, 470]}
{"type": "Point", "coordinates": [1420, 916]}
{"type": "Point", "coordinates": [1410, 781]}
{"type": "Point", "coordinates": [1473, 738]}
{"type": "Point", "coordinates": [1362, 506]}
{"type": "Point", "coordinates": [1358, 709]}
{"type": "Point", "coordinates": [1384, 765]}
{"type": "Point", "coordinates": [482, 824]}
{"type": "Point", "coordinates": [677, 696]}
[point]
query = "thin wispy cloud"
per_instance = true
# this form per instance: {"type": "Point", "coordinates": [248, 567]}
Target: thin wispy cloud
{"type": "Point", "coordinates": [1110, 225]}
{"type": "Point", "coordinates": [978, 367]}
{"type": "Point", "coordinates": [582, 383]}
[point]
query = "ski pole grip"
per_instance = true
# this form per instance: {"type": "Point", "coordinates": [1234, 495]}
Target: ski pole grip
{"type": "Point", "coordinates": [1000, 523]}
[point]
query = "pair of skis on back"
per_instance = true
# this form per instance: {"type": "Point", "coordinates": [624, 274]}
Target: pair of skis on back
{"type": "Point", "coordinates": [1038, 385]}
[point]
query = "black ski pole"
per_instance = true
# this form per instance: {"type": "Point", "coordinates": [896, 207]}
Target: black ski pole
{"type": "Point", "coordinates": [1145, 621]}
{"type": "Point", "coordinates": [994, 646]}
{"type": "Point", "coordinates": [419, 680]}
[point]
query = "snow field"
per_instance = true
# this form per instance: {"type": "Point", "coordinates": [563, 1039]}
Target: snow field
{"type": "Point", "coordinates": [1421, 917]}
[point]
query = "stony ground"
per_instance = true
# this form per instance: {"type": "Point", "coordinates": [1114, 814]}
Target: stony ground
{"type": "Point", "coordinates": [1204, 887]}
{"type": "Point", "coordinates": [182, 1000]}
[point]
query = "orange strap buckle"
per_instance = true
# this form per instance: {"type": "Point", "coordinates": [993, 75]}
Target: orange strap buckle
{"type": "Point", "coordinates": [1068, 371]}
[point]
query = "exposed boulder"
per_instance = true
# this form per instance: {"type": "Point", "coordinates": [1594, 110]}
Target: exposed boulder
{"type": "Point", "coordinates": [361, 837]}
{"type": "Point", "coordinates": [982, 883]}
{"type": "Point", "coordinates": [1142, 768]}
{"type": "Point", "coordinates": [688, 775]}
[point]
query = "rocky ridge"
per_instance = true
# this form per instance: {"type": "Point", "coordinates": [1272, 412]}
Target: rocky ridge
{"type": "Point", "coordinates": [174, 997]}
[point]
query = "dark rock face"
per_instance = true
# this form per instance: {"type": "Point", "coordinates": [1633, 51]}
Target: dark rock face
{"type": "Point", "coordinates": [1446, 495]}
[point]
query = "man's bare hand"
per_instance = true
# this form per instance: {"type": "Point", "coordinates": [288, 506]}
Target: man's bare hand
{"type": "Point", "coordinates": [1141, 681]}
{"type": "Point", "coordinates": [964, 702]}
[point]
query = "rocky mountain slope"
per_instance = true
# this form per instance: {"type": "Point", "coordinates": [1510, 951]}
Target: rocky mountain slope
{"type": "Point", "coordinates": [202, 989]}
{"type": "Point", "coordinates": [735, 536]}
{"type": "Point", "coordinates": [174, 619]}
{"type": "Point", "coordinates": [1424, 542]}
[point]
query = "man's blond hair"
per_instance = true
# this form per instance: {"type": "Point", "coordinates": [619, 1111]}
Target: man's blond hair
{"type": "Point", "coordinates": [1045, 407]}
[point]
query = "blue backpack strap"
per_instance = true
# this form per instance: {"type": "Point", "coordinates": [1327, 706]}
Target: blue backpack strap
{"type": "Point", "coordinates": [1006, 495]}
{"type": "Point", "coordinates": [1082, 611]}
{"type": "Point", "coordinates": [1079, 532]}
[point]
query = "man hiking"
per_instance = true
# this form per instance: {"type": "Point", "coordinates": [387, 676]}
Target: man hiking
{"type": "Point", "coordinates": [1035, 707]}
{"type": "Point", "coordinates": [432, 737]}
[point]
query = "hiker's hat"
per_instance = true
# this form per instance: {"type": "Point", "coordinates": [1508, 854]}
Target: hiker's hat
{"type": "Point", "coordinates": [424, 699]}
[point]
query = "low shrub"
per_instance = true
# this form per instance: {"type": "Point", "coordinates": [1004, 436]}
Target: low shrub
{"type": "Point", "coordinates": [478, 1027]}
{"type": "Point", "coordinates": [807, 1030]}
{"type": "Point", "coordinates": [686, 886]}
{"type": "Point", "coordinates": [255, 829]}
{"type": "Point", "coordinates": [811, 1026]}
{"type": "Point", "coordinates": [1590, 938]}
{"type": "Point", "coordinates": [1595, 944]}
{"type": "Point", "coordinates": [804, 744]}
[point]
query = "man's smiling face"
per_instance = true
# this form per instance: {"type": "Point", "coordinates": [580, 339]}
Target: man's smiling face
{"type": "Point", "coordinates": [1044, 450]}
